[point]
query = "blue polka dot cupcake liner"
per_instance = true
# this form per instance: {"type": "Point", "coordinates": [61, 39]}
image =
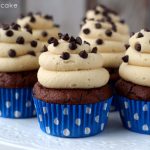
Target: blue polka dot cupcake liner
{"type": "Point", "coordinates": [16, 103]}
{"type": "Point", "coordinates": [72, 121]}
{"type": "Point", "coordinates": [135, 115]}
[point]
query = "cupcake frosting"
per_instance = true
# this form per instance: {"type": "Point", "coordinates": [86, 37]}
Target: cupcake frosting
{"type": "Point", "coordinates": [104, 29]}
{"type": "Point", "coordinates": [42, 27]}
{"type": "Point", "coordinates": [136, 65]}
{"type": "Point", "coordinates": [18, 50]}
{"type": "Point", "coordinates": [70, 63]}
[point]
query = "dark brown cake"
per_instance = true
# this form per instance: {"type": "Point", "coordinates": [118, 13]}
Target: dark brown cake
{"type": "Point", "coordinates": [132, 91]}
{"type": "Point", "coordinates": [114, 74]}
{"type": "Point", "coordinates": [18, 79]}
{"type": "Point", "coordinates": [71, 96]}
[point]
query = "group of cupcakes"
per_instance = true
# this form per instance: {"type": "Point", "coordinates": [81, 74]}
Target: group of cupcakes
{"type": "Point", "coordinates": [69, 82]}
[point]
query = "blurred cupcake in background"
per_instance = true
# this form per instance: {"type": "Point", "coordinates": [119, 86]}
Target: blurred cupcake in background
{"type": "Point", "coordinates": [104, 29]}
{"type": "Point", "coordinates": [134, 86]}
{"type": "Point", "coordinates": [41, 26]}
{"type": "Point", "coordinates": [18, 71]}
{"type": "Point", "coordinates": [72, 97]}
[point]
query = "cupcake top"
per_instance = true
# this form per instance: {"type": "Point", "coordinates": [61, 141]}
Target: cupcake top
{"type": "Point", "coordinates": [70, 63]}
{"type": "Point", "coordinates": [108, 35]}
{"type": "Point", "coordinates": [136, 65]}
{"type": "Point", "coordinates": [18, 50]}
{"type": "Point", "coordinates": [42, 27]}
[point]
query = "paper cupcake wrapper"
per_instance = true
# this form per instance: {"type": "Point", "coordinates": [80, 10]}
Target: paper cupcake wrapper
{"type": "Point", "coordinates": [114, 104]}
{"type": "Point", "coordinates": [16, 103]}
{"type": "Point", "coordinates": [135, 114]}
{"type": "Point", "coordinates": [72, 120]}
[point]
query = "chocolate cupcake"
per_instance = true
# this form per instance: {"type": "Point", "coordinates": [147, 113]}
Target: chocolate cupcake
{"type": "Point", "coordinates": [134, 86]}
{"type": "Point", "coordinates": [70, 98]}
{"type": "Point", "coordinates": [42, 26]}
{"type": "Point", "coordinates": [18, 68]}
{"type": "Point", "coordinates": [103, 29]}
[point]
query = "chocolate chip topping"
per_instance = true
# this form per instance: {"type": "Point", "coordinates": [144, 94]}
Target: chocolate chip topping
{"type": "Point", "coordinates": [12, 53]}
{"type": "Point", "coordinates": [99, 42]}
{"type": "Point", "coordinates": [140, 35]}
{"type": "Point", "coordinates": [125, 58]}
{"type": "Point", "coordinates": [114, 28]}
{"type": "Point", "coordinates": [97, 12]}
{"type": "Point", "coordinates": [94, 50]}
{"type": "Point", "coordinates": [56, 25]}
{"type": "Point", "coordinates": [60, 35]}
{"type": "Point", "coordinates": [65, 55]}
{"type": "Point", "coordinates": [65, 37]}
{"type": "Point", "coordinates": [78, 40]}
{"type": "Point", "coordinates": [72, 39]}
{"type": "Point", "coordinates": [44, 49]}
{"type": "Point", "coordinates": [44, 34]}
{"type": "Point", "coordinates": [9, 33]}
{"type": "Point", "coordinates": [72, 46]}
{"type": "Point", "coordinates": [108, 33]}
{"type": "Point", "coordinates": [32, 19]}
{"type": "Point", "coordinates": [34, 43]}
{"type": "Point", "coordinates": [86, 31]}
{"type": "Point", "coordinates": [98, 25]}
{"type": "Point", "coordinates": [28, 28]}
{"type": "Point", "coordinates": [48, 17]}
{"type": "Point", "coordinates": [83, 54]}
{"type": "Point", "coordinates": [20, 40]}
{"type": "Point", "coordinates": [85, 42]}
{"type": "Point", "coordinates": [127, 46]}
{"type": "Point", "coordinates": [5, 27]}
{"type": "Point", "coordinates": [55, 42]}
{"type": "Point", "coordinates": [31, 53]}
{"type": "Point", "coordinates": [137, 47]}
{"type": "Point", "coordinates": [15, 26]}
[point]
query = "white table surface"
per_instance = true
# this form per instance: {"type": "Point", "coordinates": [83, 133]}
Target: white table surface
{"type": "Point", "coordinates": [26, 135]}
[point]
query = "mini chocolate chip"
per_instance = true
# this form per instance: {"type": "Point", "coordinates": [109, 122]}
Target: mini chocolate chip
{"type": "Point", "coordinates": [27, 26]}
{"type": "Point", "coordinates": [85, 42]}
{"type": "Point", "coordinates": [44, 34]}
{"type": "Point", "coordinates": [127, 46]}
{"type": "Point", "coordinates": [125, 58]}
{"type": "Point", "coordinates": [60, 35]}
{"type": "Point", "coordinates": [122, 21]}
{"type": "Point", "coordinates": [50, 40]}
{"type": "Point", "coordinates": [15, 26]}
{"type": "Point", "coordinates": [137, 47]}
{"type": "Point", "coordinates": [29, 30]}
{"type": "Point", "coordinates": [140, 35]}
{"type": "Point", "coordinates": [72, 46]}
{"type": "Point", "coordinates": [108, 19]}
{"type": "Point", "coordinates": [65, 55]}
{"type": "Point", "coordinates": [72, 39]}
{"type": "Point", "coordinates": [94, 50]}
{"type": "Point", "coordinates": [44, 49]}
{"type": "Point", "coordinates": [55, 42]}
{"type": "Point", "coordinates": [9, 33]}
{"type": "Point", "coordinates": [56, 25]}
{"type": "Point", "coordinates": [12, 53]}
{"type": "Point", "coordinates": [105, 13]}
{"type": "Point", "coordinates": [48, 17]}
{"type": "Point", "coordinates": [20, 40]}
{"type": "Point", "coordinates": [32, 19]}
{"type": "Point", "coordinates": [83, 54]}
{"type": "Point", "coordinates": [98, 25]}
{"type": "Point", "coordinates": [114, 28]}
{"type": "Point", "coordinates": [65, 37]}
{"type": "Point", "coordinates": [86, 31]}
{"type": "Point", "coordinates": [97, 12]}
{"type": "Point", "coordinates": [5, 27]}
{"type": "Point", "coordinates": [31, 53]}
{"type": "Point", "coordinates": [78, 40]}
{"type": "Point", "coordinates": [99, 41]}
{"type": "Point", "coordinates": [33, 43]}
{"type": "Point", "coordinates": [108, 33]}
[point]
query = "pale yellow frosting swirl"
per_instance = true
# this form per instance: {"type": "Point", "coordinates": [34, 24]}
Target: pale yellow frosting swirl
{"type": "Point", "coordinates": [42, 27]}
{"type": "Point", "coordinates": [65, 66]}
{"type": "Point", "coordinates": [136, 66]}
{"type": "Point", "coordinates": [18, 50]}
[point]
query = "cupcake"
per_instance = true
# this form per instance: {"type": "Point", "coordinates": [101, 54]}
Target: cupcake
{"type": "Point", "coordinates": [18, 68]}
{"type": "Point", "coordinates": [42, 27]}
{"type": "Point", "coordinates": [72, 97]}
{"type": "Point", "coordinates": [134, 86]}
{"type": "Point", "coordinates": [104, 29]}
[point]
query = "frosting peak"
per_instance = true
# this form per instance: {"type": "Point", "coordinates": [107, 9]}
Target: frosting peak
{"type": "Point", "coordinates": [71, 63]}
